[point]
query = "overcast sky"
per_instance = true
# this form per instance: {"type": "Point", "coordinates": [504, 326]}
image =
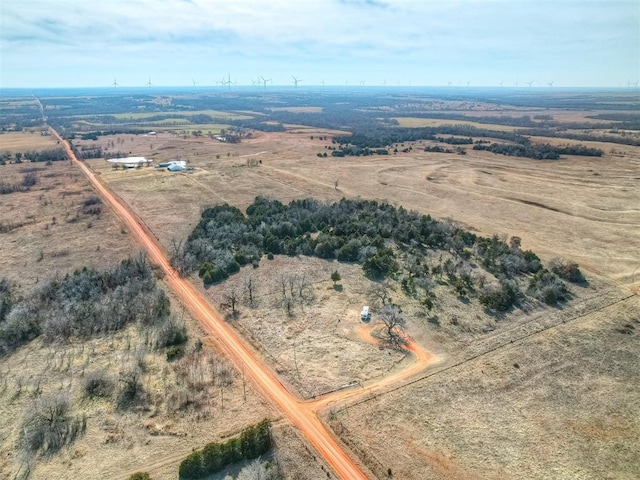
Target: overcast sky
{"type": "Point", "coordinates": [83, 43]}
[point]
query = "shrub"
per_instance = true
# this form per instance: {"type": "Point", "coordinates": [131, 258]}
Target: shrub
{"type": "Point", "coordinates": [211, 273]}
{"type": "Point", "coordinates": [567, 271]}
{"type": "Point", "coordinates": [500, 298]}
{"type": "Point", "coordinates": [171, 334]}
{"type": "Point", "coordinates": [140, 476]}
{"type": "Point", "coordinates": [49, 427]}
{"type": "Point", "coordinates": [131, 388]}
{"type": "Point", "coordinates": [98, 384]}
{"type": "Point", "coordinates": [547, 287]}
{"type": "Point", "coordinates": [175, 352]}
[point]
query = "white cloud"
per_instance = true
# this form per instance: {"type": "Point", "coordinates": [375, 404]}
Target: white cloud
{"type": "Point", "coordinates": [406, 38]}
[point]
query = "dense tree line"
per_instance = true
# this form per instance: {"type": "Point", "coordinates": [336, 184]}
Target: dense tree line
{"type": "Point", "coordinates": [387, 242]}
{"type": "Point", "coordinates": [49, 155]}
{"type": "Point", "coordinates": [455, 140]}
{"type": "Point", "coordinates": [387, 136]}
{"type": "Point", "coordinates": [587, 137]}
{"type": "Point", "coordinates": [538, 151]}
{"type": "Point", "coordinates": [86, 303]}
{"type": "Point", "coordinates": [101, 133]}
{"type": "Point", "coordinates": [253, 442]}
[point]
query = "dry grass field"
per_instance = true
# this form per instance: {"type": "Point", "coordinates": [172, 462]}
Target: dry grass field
{"type": "Point", "coordinates": [49, 231]}
{"type": "Point", "coordinates": [415, 122]}
{"type": "Point", "coordinates": [580, 208]}
{"type": "Point", "coordinates": [544, 393]}
{"type": "Point", "coordinates": [475, 414]}
{"type": "Point", "coordinates": [19, 142]}
{"type": "Point", "coordinates": [562, 404]}
{"type": "Point", "coordinates": [319, 346]}
{"type": "Point", "coordinates": [49, 234]}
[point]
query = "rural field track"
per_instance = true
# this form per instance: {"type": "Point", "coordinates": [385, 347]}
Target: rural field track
{"type": "Point", "coordinates": [301, 414]}
{"type": "Point", "coordinates": [466, 356]}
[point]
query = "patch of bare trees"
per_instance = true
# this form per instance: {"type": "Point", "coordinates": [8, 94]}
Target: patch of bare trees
{"type": "Point", "coordinates": [294, 289]}
{"type": "Point", "coordinates": [48, 426]}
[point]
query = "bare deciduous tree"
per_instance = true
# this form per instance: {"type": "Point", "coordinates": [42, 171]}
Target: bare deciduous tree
{"type": "Point", "coordinates": [393, 321]}
{"type": "Point", "coordinates": [48, 427]}
{"type": "Point", "coordinates": [250, 286]}
{"type": "Point", "coordinates": [232, 298]}
{"type": "Point", "coordinates": [380, 291]}
{"type": "Point", "coordinates": [305, 292]}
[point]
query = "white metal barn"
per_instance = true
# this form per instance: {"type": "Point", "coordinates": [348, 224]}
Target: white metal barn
{"type": "Point", "coordinates": [130, 162]}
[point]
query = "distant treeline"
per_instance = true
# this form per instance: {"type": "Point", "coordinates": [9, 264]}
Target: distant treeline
{"type": "Point", "coordinates": [386, 136]}
{"type": "Point", "coordinates": [521, 146]}
{"type": "Point", "coordinates": [50, 155]}
{"type": "Point", "coordinates": [538, 151]}
{"type": "Point", "coordinates": [587, 137]}
{"type": "Point", "coordinates": [101, 133]}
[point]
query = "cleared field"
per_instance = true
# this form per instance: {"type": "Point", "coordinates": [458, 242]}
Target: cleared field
{"type": "Point", "coordinates": [22, 141]}
{"type": "Point", "coordinates": [416, 122]}
{"type": "Point", "coordinates": [187, 113]}
{"type": "Point", "coordinates": [317, 348]}
{"type": "Point", "coordinates": [170, 124]}
{"type": "Point", "coordinates": [308, 109]}
{"type": "Point", "coordinates": [562, 404]}
{"type": "Point", "coordinates": [49, 232]}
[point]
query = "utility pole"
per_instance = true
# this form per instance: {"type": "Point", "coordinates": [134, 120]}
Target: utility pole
{"type": "Point", "coordinates": [295, 360]}
{"type": "Point", "coordinates": [244, 385]}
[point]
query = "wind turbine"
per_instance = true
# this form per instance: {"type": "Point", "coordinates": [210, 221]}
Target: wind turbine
{"type": "Point", "coordinates": [448, 83]}
{"type": "Point", "coordinates": [550, 84]}
{"type": "Point", "coordinates": [468, 83]}
{"type": "Point", "coordinates": [296, 81]}
{"type": "Point", "coordinates": [501, 83]}
{"type": "Point", "coordinates": [194, 82]}
{"type": "Point", "coordinates": [264, 81]}
{"type": "Point", "coordinates": [529, 83]}
{"type": "Point", "coordinates": [362, 83]}
{"type": "Point", "coordinates": [149, 83]}
{"type": "Point", "coordinates": [115, 84]}
{"type": "Point", "coordinates": [322, 82]}
{"type": "Point", "coordinates": [228, 81]}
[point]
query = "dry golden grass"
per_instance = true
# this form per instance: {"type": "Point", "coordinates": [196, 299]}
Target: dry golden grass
{"type": "Point", "coordinates": [316, 348]}
{"type": "Point", "coordinates": [581, 208]}
{"type": "Point", "coordinates": [56, 236]}
{"type": "Point", "coordinates": [562, 404]}
{"type": "Point", "coordinates": [414, 122]}
{"type": "Point", "coordinates": [153, 437]}
{"type": "Point", "coordinates": [14, 142]}
{"type": "Point", "coordinates": [493, 422]}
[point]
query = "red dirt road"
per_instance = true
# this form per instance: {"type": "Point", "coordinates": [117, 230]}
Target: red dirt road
{"type": "Point", "coordinates": [300, 414]}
